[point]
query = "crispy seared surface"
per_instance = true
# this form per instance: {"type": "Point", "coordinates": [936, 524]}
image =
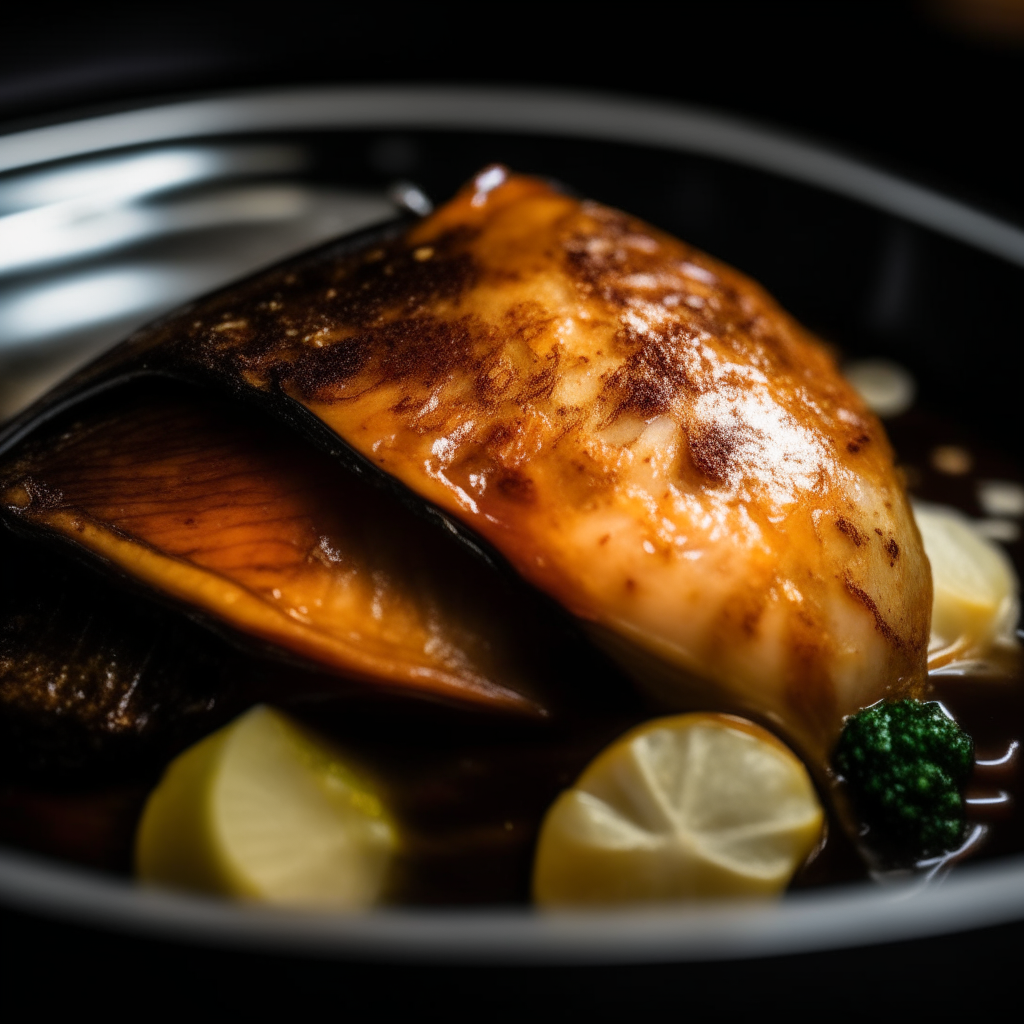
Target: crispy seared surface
{"type": "Point", "coordinates": [236, 517]}
{"type": "Point", "coordinates": [639, 429]}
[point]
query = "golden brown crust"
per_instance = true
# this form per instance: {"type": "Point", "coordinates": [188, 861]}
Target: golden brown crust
{"type": "Point", "coordinates": [639, 429]}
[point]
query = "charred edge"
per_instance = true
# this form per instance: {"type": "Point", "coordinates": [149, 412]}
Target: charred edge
{"type": "Point", "coordinates": [422, 349]}
{"type": "Point", "coordinates": [34, 497]}
{"type": "Point", "coordinates": [378, 296]}
{"type": "Point", "coordinates": [652, 375]}
{"type": "Point", "coordinates": [711, 450]}
{"type": "Point", "coordinates": [517, 488]}
{"type": "Point", "coordinates": [844, 526]}
{"type": "Point", "coordinates": [893, 551]}
{"type": "Point", "coordinates": [881, 625]}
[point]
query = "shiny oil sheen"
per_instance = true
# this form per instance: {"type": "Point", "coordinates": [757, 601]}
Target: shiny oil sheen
{"type": "Point", "coordinates": [638, 429]}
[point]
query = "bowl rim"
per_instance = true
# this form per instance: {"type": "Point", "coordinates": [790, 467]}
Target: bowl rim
{"type": "Point", "coordinates": [848, 916]}
{"type": "Point", "coordinates": [976, 896]}
{"type": "Point", "coordinates": [558, 112]}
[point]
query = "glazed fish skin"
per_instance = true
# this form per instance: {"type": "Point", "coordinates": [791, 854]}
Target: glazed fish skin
{"type": "Point", "coordinates": [641, 431]}
{"type": "Point", "coordinates": [234, 517]}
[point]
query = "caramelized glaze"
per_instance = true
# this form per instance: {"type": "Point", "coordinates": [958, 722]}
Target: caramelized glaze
{"type": "Point", "coordinates": [637, 428]}
{"type": "Point", "coordinates": [640, 430]}
{"type": "Point", "coordinates": [246, 524]}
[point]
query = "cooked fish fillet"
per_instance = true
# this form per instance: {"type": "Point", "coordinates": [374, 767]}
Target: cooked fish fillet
{"type": "Point", "coordinates": [235, 518]}
{"type": "Point", "coordinates": [640, 430]}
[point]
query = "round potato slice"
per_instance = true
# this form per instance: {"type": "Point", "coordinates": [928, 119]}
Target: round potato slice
{"type": "Point", "coordinates": [696, 806]}
{"type": "Point", "coordinates": [267, 811]}
{"type": "Point", "coordinates": [974, 598]}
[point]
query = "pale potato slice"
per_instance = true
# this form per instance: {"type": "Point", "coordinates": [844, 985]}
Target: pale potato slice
{"type": "Point", "coordinates": [975, 589]}
{"type": "Point", "coordinates": [265, 810]}
{"type": "Point", "coordinates": [694, 806]}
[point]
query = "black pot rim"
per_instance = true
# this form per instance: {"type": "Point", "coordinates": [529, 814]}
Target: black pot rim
{"type": "Point", "coordinates": [976, 896]}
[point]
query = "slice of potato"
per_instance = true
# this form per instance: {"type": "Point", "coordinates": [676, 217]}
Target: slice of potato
{"type": "Point", "coordinates": [694, 806]}
{"type": "Point", "coordinates": [266, 811]}
{"type": "Point", "coordinates": [975, 588]}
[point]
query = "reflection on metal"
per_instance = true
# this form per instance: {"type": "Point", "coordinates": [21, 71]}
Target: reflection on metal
{"type": "Point", "coordinates": [1002, 797]}
{"type": "Point", "coordinates": [57, 234]}
{"type": "Point", "coordinates": [999, 761]}
{"type": "Point", "coordinates": [111, 180]}
{"type": "Point", "coordinates": [84, 300]}
{"type": "Point", "coordinates": [93, 248]}
{"type": "Point", "coordinates": [978, 895]}
{"type": "Point", "coordinates": [409, 197]}
{"type": "Point", "coordinates": [537, 112]}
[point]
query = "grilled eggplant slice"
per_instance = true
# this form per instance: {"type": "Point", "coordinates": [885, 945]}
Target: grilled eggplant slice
{"type": "Point", "coordinates": [637, 429]}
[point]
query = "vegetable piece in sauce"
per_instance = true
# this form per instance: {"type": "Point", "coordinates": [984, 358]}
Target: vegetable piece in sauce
{"type": "Point", "coordinates": [695, 806]}
{"type": "Point", "coordinates": [640, 430]}
{"type": "Point", "coordinates": [265, 810]}
{"type": "Point", "coordinates": [975, 604]}
{"type": "Point", "coordinates": [906, 764]}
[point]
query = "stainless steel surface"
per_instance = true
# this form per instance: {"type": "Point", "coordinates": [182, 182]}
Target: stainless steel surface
{"type": "Point", "coordinates": [107, 239]}
{"type": "Point", "coordinates": [548, 112]}
{"type": "Point", "coordinates": [805, 922]}
{"type": "Point", "coordinates": [95, 247]}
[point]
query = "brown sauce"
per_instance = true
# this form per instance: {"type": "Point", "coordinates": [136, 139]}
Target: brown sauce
{"type": "Point", "coordinates": [946, 463]}
{"type": "Point", "coordinates": [471, 789]}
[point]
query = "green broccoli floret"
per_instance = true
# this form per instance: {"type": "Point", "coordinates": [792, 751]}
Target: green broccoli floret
{"type": "Point", "coordinates": [906, 763]}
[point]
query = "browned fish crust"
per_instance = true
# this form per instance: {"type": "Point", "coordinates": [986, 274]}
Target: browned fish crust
{"type": "Point", "coordinates": [639, 429]}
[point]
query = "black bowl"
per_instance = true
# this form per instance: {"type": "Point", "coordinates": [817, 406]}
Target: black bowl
{"type": "Point", "coordinates": [114, 219]}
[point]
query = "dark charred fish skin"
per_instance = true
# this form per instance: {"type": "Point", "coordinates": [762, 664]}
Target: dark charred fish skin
{"type": "Point", "coordinates": [229, 518]}
{"type": "Point", "coordinates": [101, 679]}
{"type": "Point", "coordinates": [93, 682]}
{"type": "Point", "coordinates": [639, 430]}
{"type": "Point", "coordinates": [143, 356]}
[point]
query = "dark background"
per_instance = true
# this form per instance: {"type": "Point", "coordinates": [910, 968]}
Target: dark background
{"type": "Point", "coordinates": [933, 89]}
{"type": "Point", "coordinates": [917, 88]}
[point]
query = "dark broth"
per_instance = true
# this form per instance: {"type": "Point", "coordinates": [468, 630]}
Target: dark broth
{"type": "Point", "coordinates": [988, 704]}
{"type": "Point", "coordinates": [471, 790]}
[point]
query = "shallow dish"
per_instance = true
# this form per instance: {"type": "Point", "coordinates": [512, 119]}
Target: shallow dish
{"type": "Point", "coordinates": [131, 213]}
